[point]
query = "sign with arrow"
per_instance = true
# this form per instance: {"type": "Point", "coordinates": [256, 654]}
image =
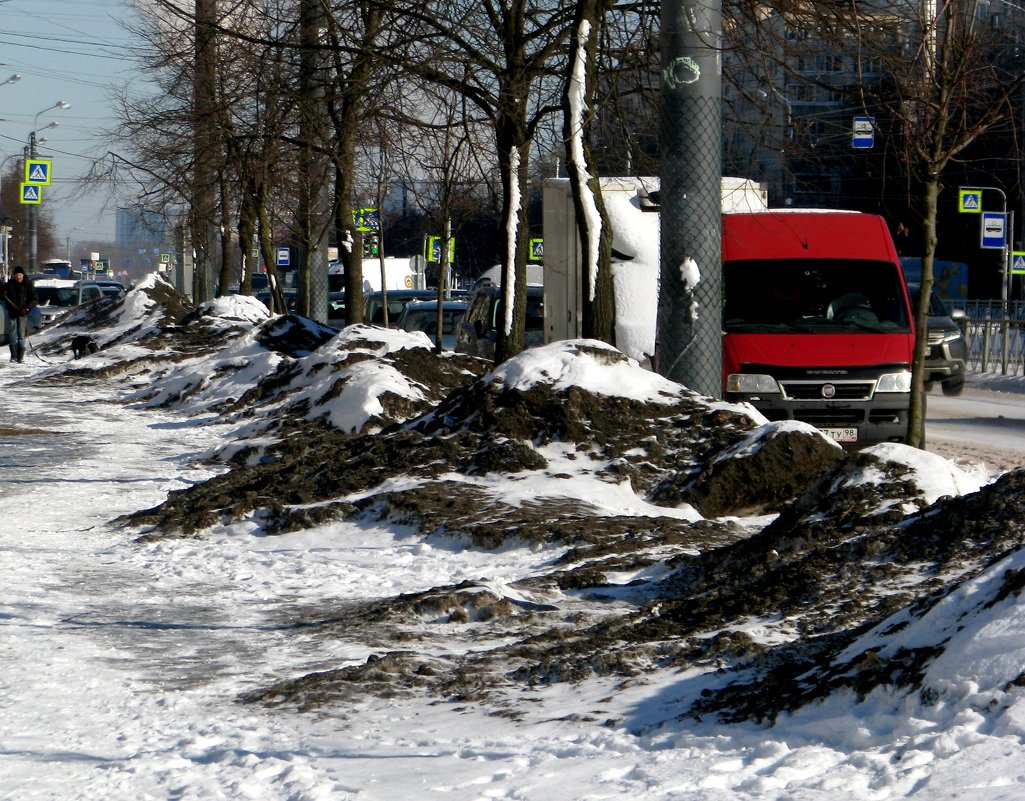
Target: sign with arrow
{"type": "Point", "coordinates": [37, 171]}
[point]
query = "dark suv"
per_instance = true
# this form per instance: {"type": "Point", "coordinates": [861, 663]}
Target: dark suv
{"type": "Point", "coordinates": [478, 331]}
{"type": "Point", "coordinates": [946, 357]}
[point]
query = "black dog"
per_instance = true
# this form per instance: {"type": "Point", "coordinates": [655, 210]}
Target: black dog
{"type": "Point", "coordinates": [83, 345]}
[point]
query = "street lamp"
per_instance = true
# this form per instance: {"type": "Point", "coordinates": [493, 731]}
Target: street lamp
{"type": "Point", "coordinates": [13, 79]}
{"type": "Point", "coordinates": [33, 215]}
{"type": "Point", "coordinates": [68, 238]}
{"type": "Point", "coordinates": [5, 231]}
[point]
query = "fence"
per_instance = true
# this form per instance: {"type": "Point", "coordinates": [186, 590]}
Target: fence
{"type": "Point", "coordinates": [996, 343]}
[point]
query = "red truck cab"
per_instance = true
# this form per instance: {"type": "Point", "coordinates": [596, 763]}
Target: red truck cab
{"type": "Point", "coordinates": [817, 322]}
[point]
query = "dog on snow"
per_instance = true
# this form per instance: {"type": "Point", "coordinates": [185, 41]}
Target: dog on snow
{"type": "Point", "coordinates": [83, 345]}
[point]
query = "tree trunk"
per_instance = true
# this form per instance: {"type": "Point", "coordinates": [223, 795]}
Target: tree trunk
{"type": "Point", "coordinates": [593, 227]}
{"type": "Point", "coordinates": [227, 260]}
{"type": "Point", "coordinates": [916, 412]}
{"type": "Point", "coordinates": [204, 181]}
{"type": "Point", "coordinates": [512, 148]}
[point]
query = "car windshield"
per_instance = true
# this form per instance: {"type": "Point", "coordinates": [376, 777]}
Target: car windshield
{"type": "Point", "coordinates": [936, 307]}
{"type": "Point", "coordinates": [57, 296]}
{"type": "Point", "coordinates": [535, 320]}
{"type": "Point", "coordinates": [805, 295]}
{"type": "Point", "coordinates": [426, 320]}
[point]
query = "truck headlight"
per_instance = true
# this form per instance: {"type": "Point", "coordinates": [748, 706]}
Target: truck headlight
{"type": "Point", "coordinates": [894, 382]}
{"type": "Point", "coordinates": [749, 383]}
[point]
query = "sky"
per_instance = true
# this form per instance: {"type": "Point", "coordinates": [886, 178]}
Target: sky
{"type": "Point", "coordinates": [121, 661]}
{"type": "Point", "coordinates": [72, 51]}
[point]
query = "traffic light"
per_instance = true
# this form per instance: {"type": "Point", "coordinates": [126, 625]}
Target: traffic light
{"type": "Point", "coordinates": [371, 246]}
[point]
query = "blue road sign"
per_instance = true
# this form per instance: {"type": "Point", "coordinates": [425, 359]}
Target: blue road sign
{"type": "Point", "coordinates": [993, 234]}
{"type": "Point", "coordinates": [864, 132]}
{"type": "Point", "coordinates": [31, 194]}
{"type": "Point", "coordinates": [37, 171]}
{"type": "Point", "coordinates": [284, 257]}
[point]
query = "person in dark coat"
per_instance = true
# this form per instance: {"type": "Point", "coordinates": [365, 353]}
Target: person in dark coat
{"type": "Point", "coordinates": [19, 296]}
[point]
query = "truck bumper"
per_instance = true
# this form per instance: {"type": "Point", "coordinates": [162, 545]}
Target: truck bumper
{"type": "Point", "coordinates": [883, 418]}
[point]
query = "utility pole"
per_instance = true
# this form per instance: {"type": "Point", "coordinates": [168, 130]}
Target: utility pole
{"type": "Point", "coordinates": [315, 204]}
{"type": "Point", "coordinates": [204, 174]}
{"type": "Point", "coordinates": [688, 336]}
{"type": "Point", "coordinates": [33, 210]}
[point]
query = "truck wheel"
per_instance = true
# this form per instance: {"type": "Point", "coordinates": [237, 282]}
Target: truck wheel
{"type": "Point", "coordinates": [954, 386]}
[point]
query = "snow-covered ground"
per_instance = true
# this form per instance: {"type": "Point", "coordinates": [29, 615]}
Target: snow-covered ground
{"type": "Point", "coordinates": [121, 663]}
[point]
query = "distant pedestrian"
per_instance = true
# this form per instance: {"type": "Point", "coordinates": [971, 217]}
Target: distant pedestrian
{"type": "Point", "coordinates": [19, 296]}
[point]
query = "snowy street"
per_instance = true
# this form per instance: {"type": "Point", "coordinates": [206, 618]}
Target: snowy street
{"type": "Point", "coordinates": [122, 662]}
{"type": "Point", "coordinates": [122, 652]}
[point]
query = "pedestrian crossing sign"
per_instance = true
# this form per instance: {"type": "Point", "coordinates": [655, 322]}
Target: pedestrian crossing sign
{"type": "Point", "coordinates": [37, 171]}
{"type": "Point", "coordinates": [31, 194]}
{"type": "Point", "coordinates": [1018, 262]}
{"type": "Point", "coordinates": [969, 201]}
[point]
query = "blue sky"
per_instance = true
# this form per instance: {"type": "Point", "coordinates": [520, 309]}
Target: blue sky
{"type": "Point", "coordinates": [70, 50]}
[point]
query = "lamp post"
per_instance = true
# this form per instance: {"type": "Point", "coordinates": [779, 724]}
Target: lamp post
{"type": "Point", "coordinates": [13, 79]}
{"type": "Point", "coordinates": [33, 216]}
{"type": "Point", "coordinates": [5, 231]}
{"type": "Point", "coordinates": [68, 240]}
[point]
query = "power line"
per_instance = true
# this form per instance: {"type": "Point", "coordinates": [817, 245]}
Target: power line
{"type": "Point", "coordinates": [120, 56]}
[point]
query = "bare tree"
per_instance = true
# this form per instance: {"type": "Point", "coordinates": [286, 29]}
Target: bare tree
{"type": "Point", "coordinates": [947, 78]}
{"type": "Point", "coordinates": [593, 227]}
{"type": "Point", "coordinates": [500, 55]}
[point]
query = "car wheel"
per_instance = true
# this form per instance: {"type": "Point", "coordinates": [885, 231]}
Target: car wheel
{"type": "Point", "coordinates": [927, 386]}
{"type": "Point", "coordinates": [954, 386]}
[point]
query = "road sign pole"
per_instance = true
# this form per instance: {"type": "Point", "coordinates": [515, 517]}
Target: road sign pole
{"type": "Point", "coordinates": [1006, 249]}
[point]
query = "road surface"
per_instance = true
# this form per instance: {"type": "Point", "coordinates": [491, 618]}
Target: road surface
{"type": "Point", "coordinates": [981, 425]}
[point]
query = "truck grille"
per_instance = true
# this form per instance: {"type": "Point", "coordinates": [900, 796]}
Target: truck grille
{"type": "Point", "coordinates": [813, 390]}
{"type": "Point", "coordinates": [827, 418]}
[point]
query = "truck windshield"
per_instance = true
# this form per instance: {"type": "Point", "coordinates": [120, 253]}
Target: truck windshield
{"type": "Point", "coordinates": [814, 296]}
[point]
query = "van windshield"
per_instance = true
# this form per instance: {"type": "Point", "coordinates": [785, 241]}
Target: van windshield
{"type": "Point", "coordinates": [57, 295]}
{"type": "Point", "coordinates": [808, 295]}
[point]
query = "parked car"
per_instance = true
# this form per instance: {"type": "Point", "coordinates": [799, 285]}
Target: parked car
{"type": "Point", "coordinates": [111, 288]}
{"type": "Point", "coordinates": [291, 300]}
{"type": "Point", "coordinates": [477, 333]}
{"type": "Point", "coordinates": [422, 315]}
{"type": "Point", "coordinates": [58, 296]}
{"type": "Point", "coordinates": [947, 355]}
{"type": "Point", "coordinates": [336, 309]}
{"type": "Point", "coordinates": [373, 304]}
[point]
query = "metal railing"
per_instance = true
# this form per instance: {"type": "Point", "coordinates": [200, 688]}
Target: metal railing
{"type": "Point", "coordinates": [996, 342]}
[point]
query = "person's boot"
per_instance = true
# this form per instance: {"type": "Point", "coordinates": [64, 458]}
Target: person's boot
{"type": "Point", "coordinates": [21, 353]}
{"type": "Point", "coordinates": [14, 352]}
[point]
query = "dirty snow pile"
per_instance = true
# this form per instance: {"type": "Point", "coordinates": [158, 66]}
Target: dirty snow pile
{"type": "Point", "coordinates": [253, 557]}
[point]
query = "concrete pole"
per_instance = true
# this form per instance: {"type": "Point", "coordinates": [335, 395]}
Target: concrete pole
{"type": "Point", "coordinates": [33, 216]}
{"type": "Point", "coordinates": [688, 328]}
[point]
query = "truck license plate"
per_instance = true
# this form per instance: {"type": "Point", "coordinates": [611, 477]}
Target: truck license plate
{"type": "Point", "coordinates": [841, 434]}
